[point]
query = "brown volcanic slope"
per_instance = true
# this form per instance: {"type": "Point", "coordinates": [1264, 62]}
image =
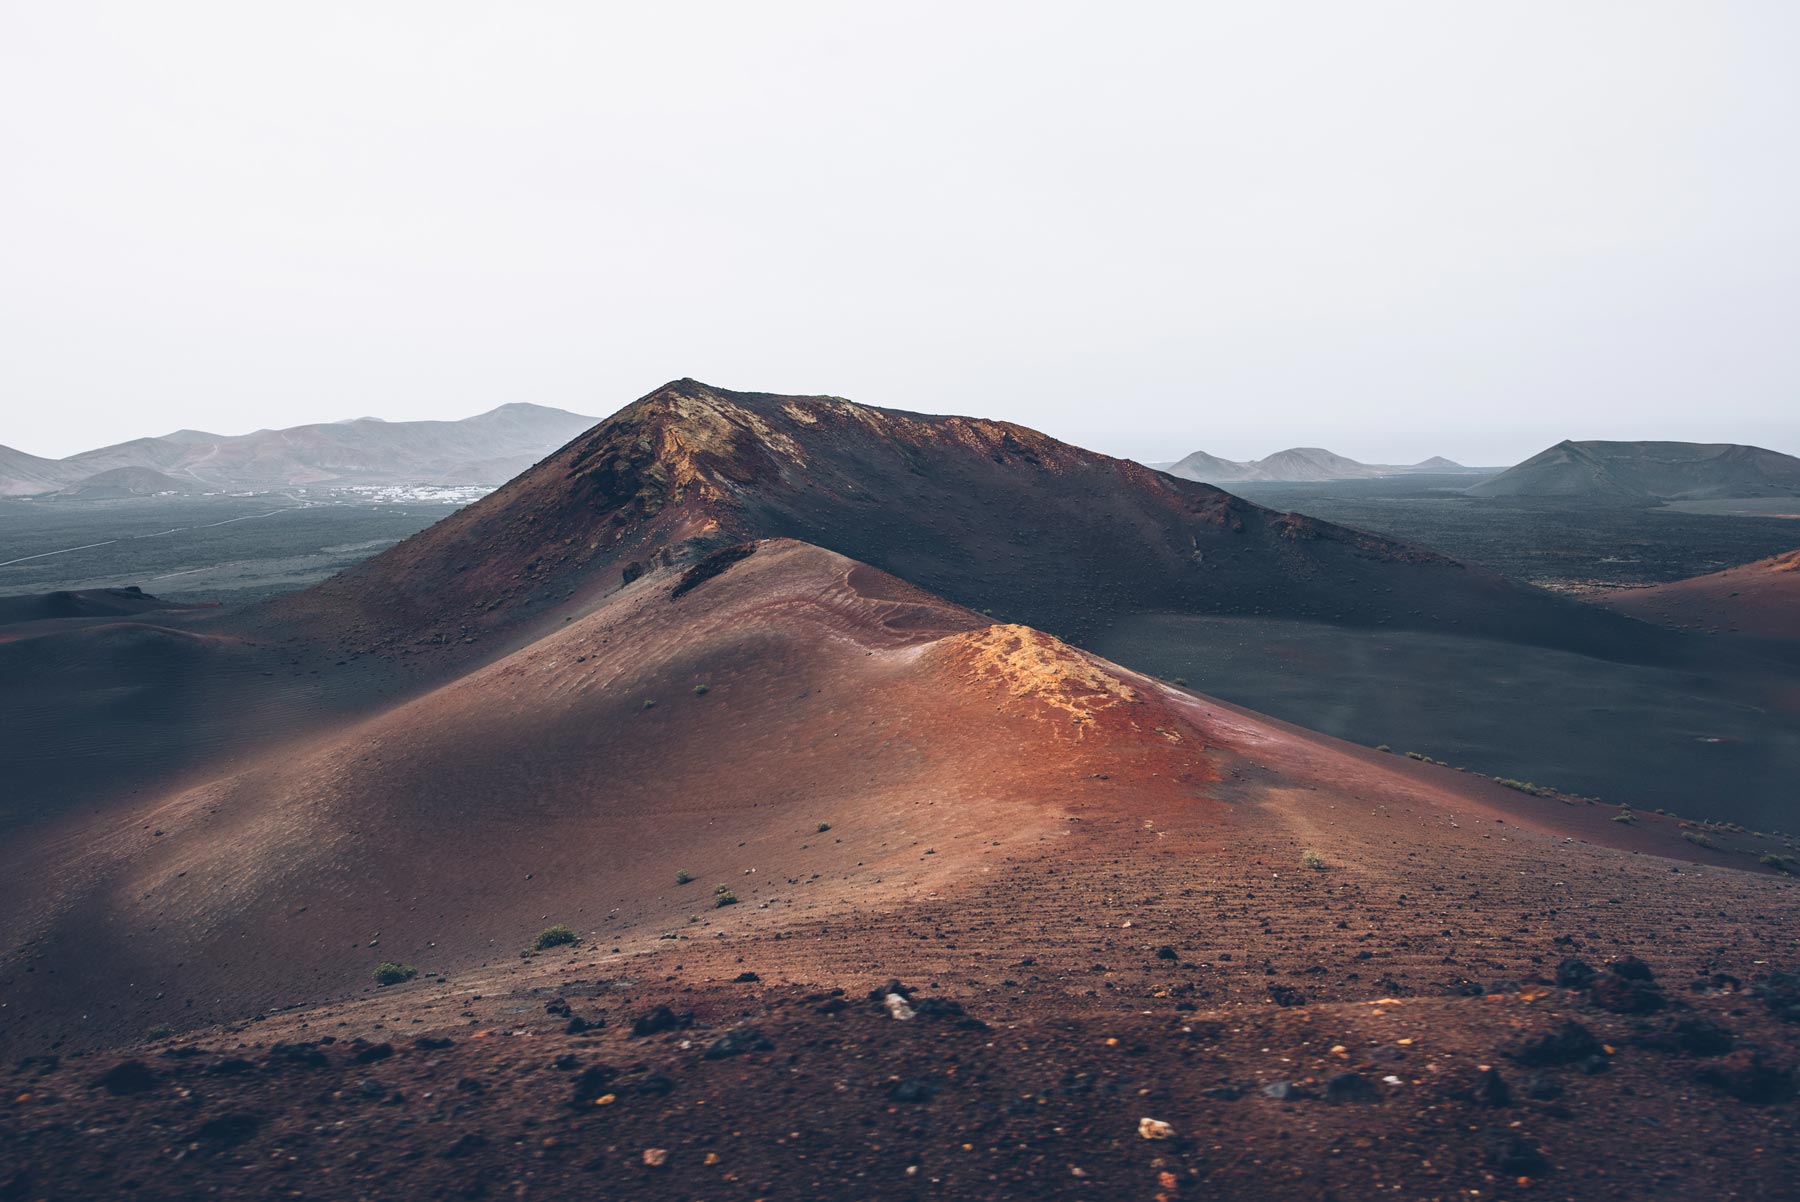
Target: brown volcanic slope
{"type": "Point", "coordinates": [1132, 563]}
{"type": "Point", "coordinates": [1014, 826]}
{"type": "Point", "coordinates": [1760, 599]}
{"type": "Point", "coordinates": [991, 515]}
{"type": "Point", "coordinates": [573, 778]}
{"type": "Point", "coordinates": [578, 775]}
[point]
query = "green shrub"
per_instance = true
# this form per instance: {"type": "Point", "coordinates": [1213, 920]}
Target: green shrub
{"type": "Point", "coordinates": [1415, 755]}
{"type": "Point", "coordinates": [1520, 786]}
{"type": "Point", "coordinates": [164, 1030]}
{"type": "Point", "coordinates": [1312, 859]}
{"type": "Point", "coordinates": [1383, 747]}
{"type": "Point", "coordinates": [1624, 815]}
{"type": "Point", "coordinates": [823, 827]}
{"type": "Point", "coordinates": [649, 704]}
{"type": "Point", "coordinates": [1697, 838]}
{"type": "Point", "coordinates": [389, 973]}
{"type": "Point", "coordinates": [556, 936]}
{"type": "Point", "coordinates": [1779, 863]}
{"type": "Point", "coordinates": [700, 690]}
{"type": "Point", "coordinates": [724, 897]}
{"type": "Point", "coordinates": [682, 878]}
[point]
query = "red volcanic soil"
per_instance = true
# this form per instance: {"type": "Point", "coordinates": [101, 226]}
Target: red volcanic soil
{"type": "Point", "coordinates": [1760, 599]}
{"type": "Point", "coordinates": [656, 734]}
{"type": "Point", "coordinates": [1099, 876]}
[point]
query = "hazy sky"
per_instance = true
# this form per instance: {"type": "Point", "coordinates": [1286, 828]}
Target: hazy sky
{"type": "Point", "coordinates": [1392, 229]}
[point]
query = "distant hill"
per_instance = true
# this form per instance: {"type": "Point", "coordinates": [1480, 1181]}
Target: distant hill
{"type": "Point", "coordinates": [86, 603]}
{"type": "Point", "coordinates": [120, 482]}
{"type": "Point", "coordinates": [1643, 472]}
{"type": "Point", "coordinates": [1210, 469]}
{"type": "Point", "coordinates": [1315, 463]}
{"type": "Point", "coordinates": [1299, 464]}
{"type": "Point", "coordinates": [22, 474]}
{"type": "Point", "coordinates": [489, 448]}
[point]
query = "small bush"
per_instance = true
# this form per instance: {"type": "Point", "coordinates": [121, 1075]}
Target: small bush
{"type": "Point", "coordinates": [724, 897]}
{"type": "Point", "coordinates": [1625, 815]}
{"type": "Point", "coordinates": [164, 1030]}
{"type": "Point", "coordinates": [1779, 863]}
{"type": "Point", "coordinates": [389, 973]}
{"type": "Point", "coordinates": [682, 878]}
{"type": "Point", "coordinates": [1383, 747]}
{"type": "Point", "coordinates": [823, 827]}
{"type": "Point", "coordinates": [1415, 755]}
{"type": "Point", "coordinates": [700, 690]}
{"type": "Point", "coordinates": [1697, 838]}
{"type": "Point", "coordinates": [1312, 859]}
{"type": "Point", "coordinates": [649, 704]}
{"type": "Point", "coordinates": [1520, 786]}
{"type": "Point", "coordinates": [556, 936]}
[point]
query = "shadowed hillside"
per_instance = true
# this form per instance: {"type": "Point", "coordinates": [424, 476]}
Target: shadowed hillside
{"type": "Point", "coordinates": [1637, 473]}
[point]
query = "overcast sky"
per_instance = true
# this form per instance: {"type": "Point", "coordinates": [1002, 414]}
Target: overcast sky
{"type": "Point", "coordinates": [1395, 230]}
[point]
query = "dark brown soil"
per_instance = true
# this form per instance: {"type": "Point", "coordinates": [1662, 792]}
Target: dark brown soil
{"type": "Point", "coordinates": [1759, 600]}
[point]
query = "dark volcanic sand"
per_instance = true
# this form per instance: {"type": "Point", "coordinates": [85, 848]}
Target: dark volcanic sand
{"type": "Point", "coordinates": [1705, 740]}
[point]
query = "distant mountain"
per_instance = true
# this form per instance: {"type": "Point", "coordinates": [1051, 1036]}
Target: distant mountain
{"type": "Point", "coordinates": [1642, 472]}
{"type": "Point", "coordinates": [1210, 469]}
{"type": "Point", "coordinates": [489, 448]}
{"type": "Point", "coordinates": [1299, 464]}
{"type": "Point", "coordinates": [1315, 463]}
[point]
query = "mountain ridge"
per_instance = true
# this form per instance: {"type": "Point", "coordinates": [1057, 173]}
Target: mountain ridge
{"type": "Point", "coordinates": [487, 448]}
{"type": "Point", "coordinates": [1300, 465]}
{"type": "Point", "coordinates": [963, 507]}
